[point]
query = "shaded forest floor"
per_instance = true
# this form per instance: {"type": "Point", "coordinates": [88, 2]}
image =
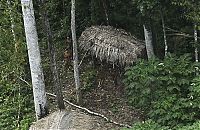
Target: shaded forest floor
{"type": "Point", "coordinates": [103, 96]}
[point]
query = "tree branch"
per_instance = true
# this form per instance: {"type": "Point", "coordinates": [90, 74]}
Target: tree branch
{"type": "Point", "coordinates": [24, 81]}
{"type": "Point", "coordinates": [92, 113]}
{"type": "Point", "coordinates": [179, 33]}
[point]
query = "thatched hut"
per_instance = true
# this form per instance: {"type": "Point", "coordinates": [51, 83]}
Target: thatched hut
{"type": "Point", "coordinates": [112, 45]}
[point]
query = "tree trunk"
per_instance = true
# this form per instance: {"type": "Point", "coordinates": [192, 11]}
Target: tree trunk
{"type": "Point", "coordinates": [75, 52]}
{"type": "Point", "coordinates": [195, 41]}
{"type": "Point", "coordinates": [106, 12]}
{"type": "Point", "coordinates": [52, 55]}
{"type": "Point", "coordinates": [196, 50]}
{"type": "Point", "coordinates": [164, 33]}
{"type": "Point", "coordinates": [92, 12]}
{"type": "Point", "coordinates": [148, 38]}
{"type": "Point", "coordinates": [148, 42]}
{"type": "Point", "coordinates": [39, 94]}
{"type": "Point", "coordinates": [12, 21]}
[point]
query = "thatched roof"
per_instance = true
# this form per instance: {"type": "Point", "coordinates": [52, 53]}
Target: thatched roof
{"type": "Point", "coordinates": [113, 45]}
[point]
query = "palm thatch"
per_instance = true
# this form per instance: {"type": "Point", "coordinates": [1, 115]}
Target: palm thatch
{"type": "Point", "coordinates": [113, 45]}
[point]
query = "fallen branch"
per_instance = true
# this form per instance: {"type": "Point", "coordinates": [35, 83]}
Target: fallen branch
{"type": "Point", "coordinates": [84, 109]}
{"type": "Point", "coordinates": [91, 112]}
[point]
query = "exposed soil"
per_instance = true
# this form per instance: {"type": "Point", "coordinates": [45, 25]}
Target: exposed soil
{"type": "Point", "coordinates": [104, 97]}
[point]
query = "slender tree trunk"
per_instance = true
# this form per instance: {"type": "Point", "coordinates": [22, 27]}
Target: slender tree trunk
{"type": "Point", "coordinates": [148, 42]}
{"type": "Point", "coordinates": [52, 55]}
{"type": "Point", "coordinates": [92, 12]}
{"type": "Point", "coordinates": [12, 22]}
{"type": "Point", "coordinates": [39, 94]}
{"type": "Point", "coordinates": [75, 52]}
{"type": "Point", "coordinates": [164, 33]}
{"type": "Point", "coordinates": [195, 41]}
{"type": "Point", "coordinates": [196, 50]}
{"type": "Point", "coordinates": [148, 38]}
{"type": "Point", "coordinates": [106, 12]}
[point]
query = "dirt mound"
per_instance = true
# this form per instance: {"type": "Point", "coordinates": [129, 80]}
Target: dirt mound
{"type": "Point", "coordinates": [65, 120]}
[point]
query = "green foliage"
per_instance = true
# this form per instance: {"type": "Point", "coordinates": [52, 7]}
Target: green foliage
{"type": "Point", "coordinates": [195, 126]}
{"type": "Point", "coordinates": [147, 125]}
{"type": "Point", "coordinates": [88, 79]}
{"type": "Point", "coordinates": [151, 125]}
{"type": "Point", "coordinates": [16, 102]}
{"type": "Point", "coordinates": [191, 9]}
{"type": "Point", "coordinates": [16, 110]}
{"type": "Point", "coordinates": [163, 89]}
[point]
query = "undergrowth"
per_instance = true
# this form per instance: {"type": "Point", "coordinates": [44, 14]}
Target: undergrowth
{"type": "Point", "coordinates": [167, 90]}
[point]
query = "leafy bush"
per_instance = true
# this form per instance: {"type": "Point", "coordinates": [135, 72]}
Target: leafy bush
{"type": "Point", "coordinates": [16, 98]}
{"type": "Point", "coordinates": [147, 125]}
{"type": "Point", "coordinates": [151, 125]}
{"type": "Point", "coordinates": [195, 126]}
{"type": "Point", "coordinates": [16, 102]}
{"type": "Point", "coordinates": [163, 89]}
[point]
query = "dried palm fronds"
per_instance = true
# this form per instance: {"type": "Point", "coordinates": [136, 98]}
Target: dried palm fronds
{"type": "Point", "coordinates": [113, 45]}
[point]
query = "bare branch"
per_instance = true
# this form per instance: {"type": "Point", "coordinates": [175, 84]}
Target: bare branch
{"type": "Point", "coordinates": [179, 33]}
{"type": "Point", "coordinates": [24, 81]}
{"type": "Point", "coordinates": [83, 58]}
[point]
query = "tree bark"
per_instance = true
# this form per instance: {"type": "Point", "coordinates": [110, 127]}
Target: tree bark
{"type": "Point", "coordinates": [75, 52]}
{"type": "Point", "coordinates": [148, 38]}
{"type": "Point", "coordinates": [164, 33]}
{"type": "Point", "coordinates": [39, 94]}
{"type": "Point", "coordinates": [148, 42]}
